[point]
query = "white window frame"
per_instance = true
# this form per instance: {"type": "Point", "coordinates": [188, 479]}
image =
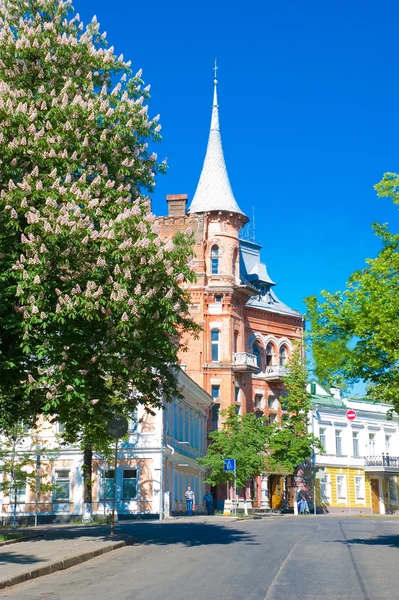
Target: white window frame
{"type": "Point", "coordinates": [338, 437]}
{"type": "Point", "coordinates": [126, 498]}
{"type": "Point", "coordinates": [56, 479]}
{"type": "Point", "coordinates": [322, 436]}
{"type": "Point", "coordinates": [342, 499]}
{"type": "Point", "coordinates": [103, 478]}
{"type": "Point", "coordinates": [362, 498]}
{"type": "Point", "coordinates": [355, 437]}
{"type": "Point", "coordinates": [325, 485]}
{"type": "Point", "coordinates": [371, 444]}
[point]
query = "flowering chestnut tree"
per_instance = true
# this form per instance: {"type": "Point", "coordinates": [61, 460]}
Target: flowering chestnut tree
{"type": "Point", "coordinates": [91, 301]}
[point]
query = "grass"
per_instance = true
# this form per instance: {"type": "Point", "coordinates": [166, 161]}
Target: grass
{"type": "Point", "coordinates": [5, 537]}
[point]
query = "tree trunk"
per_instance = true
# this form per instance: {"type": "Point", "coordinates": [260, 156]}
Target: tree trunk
{"type": "Point", "coordinates": [87, 483]}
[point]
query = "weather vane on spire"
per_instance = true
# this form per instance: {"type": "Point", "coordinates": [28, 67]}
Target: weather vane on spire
{"type": "Point", "coordinates": [215, 69]}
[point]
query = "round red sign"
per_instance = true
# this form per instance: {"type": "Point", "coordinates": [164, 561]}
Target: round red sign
{"type": "Point", "coordinates": [351, 415]}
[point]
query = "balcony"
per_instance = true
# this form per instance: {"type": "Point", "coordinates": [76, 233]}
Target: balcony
{"type": "Point", "coordinates": [381, 464]}
{"type": "Point", "coordinates": [274, 373]}
{"type": "Point", "coordinates": [243, 362]}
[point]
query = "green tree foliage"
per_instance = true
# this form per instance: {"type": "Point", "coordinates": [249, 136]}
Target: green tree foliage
{"type": "Point", "coordinates": [354, 333]}
{"type": "Point", "coordinates": [242, 438]}
{"type": "Point", "coordinates": [91, 301]}
{"type": "Point", "coordinates": [259, 447]}
{"type": "Point", "coordinates": [290, 443]}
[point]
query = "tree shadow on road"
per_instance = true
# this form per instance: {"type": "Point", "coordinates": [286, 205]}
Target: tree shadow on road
{"type": "Point", "coordinates": [382, 540]}
{"type": "Point", "coordinates": [189, 534]}
{"type": "Point", "coordinates": [11, 557]}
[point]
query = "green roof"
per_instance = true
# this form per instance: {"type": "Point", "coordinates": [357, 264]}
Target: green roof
{"type": "Point", "coordinates": [327, 401]}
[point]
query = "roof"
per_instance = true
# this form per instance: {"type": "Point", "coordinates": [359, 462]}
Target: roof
{"type": "Point", "coordinates": [271, 303]}
{"type": "Point", "coordinates": [214, 191]}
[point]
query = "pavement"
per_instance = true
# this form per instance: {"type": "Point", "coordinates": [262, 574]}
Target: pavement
{"type": "Point", "coordinates": [312, 558]}
{"type": "Point", "coordinates": [49, 549]}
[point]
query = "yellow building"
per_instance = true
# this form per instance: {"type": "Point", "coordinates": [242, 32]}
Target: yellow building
{"type": "Point", "coordinates": [358, 470]}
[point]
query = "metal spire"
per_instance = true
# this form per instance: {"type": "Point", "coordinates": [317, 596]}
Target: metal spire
{"type": "Point", "coordinates": [214, 190]}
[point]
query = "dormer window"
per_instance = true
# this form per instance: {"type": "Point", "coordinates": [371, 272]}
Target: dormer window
{"type": "Point", "coordinates": [214, 260]}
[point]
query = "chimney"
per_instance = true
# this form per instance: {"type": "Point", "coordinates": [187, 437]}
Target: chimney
{"type": "Point", "coordinates": [177, 205]}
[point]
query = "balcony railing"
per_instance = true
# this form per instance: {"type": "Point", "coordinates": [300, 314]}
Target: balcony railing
{"type": "Point", "coordinates": [274, 372]}
{"type": "Point", "coordinates": [381, 461]}
{"type": "Point", "coordinates": [243, 361]}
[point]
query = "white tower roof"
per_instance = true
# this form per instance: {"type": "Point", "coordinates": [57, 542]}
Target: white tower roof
{"type": "Point", "coordinates": [214, 190]}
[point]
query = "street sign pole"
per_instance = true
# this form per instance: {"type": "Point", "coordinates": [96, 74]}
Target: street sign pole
{"type": "Point", "coordinates": [235, 487]}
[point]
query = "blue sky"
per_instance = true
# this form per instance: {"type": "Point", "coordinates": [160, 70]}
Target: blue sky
{"type": "Point", "coordinates": [308, 95]}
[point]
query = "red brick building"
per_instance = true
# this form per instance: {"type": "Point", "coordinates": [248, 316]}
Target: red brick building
{"type": "Point", "coordinates": [247, 332]}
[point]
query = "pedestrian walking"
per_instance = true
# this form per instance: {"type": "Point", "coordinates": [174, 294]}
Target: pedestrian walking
{"type": "Point", "coordinates": [190, 501]}
{"type": "Point", "coordinates": [208, 499]}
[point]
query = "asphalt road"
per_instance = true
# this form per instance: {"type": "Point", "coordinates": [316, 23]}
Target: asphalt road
{"type": "Point", "coordinates": [275, 559]}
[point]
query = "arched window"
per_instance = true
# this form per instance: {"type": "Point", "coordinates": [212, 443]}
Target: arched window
{"type": "Point", "coordinates": [214, 260]}
{"type": "Point", "coordinates": [283, 356]}
{"type": "Point", "coordinates": [257, 351]}
{"type": "Point", "coordinates": [269, 355]}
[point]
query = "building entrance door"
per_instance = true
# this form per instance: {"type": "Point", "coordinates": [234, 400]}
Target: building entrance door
{"type": "Point", "coordinates": [276, 491]}
{"type": "Point", "coordinates": [375, 496]}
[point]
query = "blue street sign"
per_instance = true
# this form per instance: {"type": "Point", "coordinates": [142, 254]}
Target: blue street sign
{"type": "Point", "coordinates": [229, 464]}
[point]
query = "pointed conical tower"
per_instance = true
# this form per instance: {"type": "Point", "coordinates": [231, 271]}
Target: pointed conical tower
{"type": "Point", "coordinates": [214, 191]}
{"type": "Point", "coordinates": [215, 199]}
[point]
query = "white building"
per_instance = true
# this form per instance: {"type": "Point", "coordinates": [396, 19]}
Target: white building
{"type": "Point", "coordinates": [159, 454]}
{"type": "Point", "coordinates": [359, 467]}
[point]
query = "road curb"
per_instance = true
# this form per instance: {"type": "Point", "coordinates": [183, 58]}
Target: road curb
{"type": "Point", "coordinates": [66, 563]}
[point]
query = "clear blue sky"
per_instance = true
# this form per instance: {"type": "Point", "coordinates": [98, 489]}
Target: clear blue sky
{"type": "Point", "coordinates": [308, 95]}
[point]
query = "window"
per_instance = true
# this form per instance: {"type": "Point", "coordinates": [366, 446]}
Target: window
{"type": "Point", "coordinates": [272, 419]}
{"type": "Point", "coordinates": [272, 402]}
{"type": "Point", "coordinates": [341, 487]}
{"type": "Point", "coordinates": [61, 493]}
{"type": "Point", "coordinates": [258, 401]}
{"type": "Point", "coordinates": [371, 444]}
{"type": "Point", "coordinates": [237, 393]}
{"type": "Point", "coordinates": [387, 443]}
{"type": "Point", "coordinates": [359, 488]}
{"type": "Point", "coordinates": [216, 392]}
{"type": "Point", "coordinates": [21, 492]}
{"type": "Point", "coordinates": [214, 260]}
{"type": "Point", "coordinates": [393, 491]}
{"type": "Point", "coordinates": [269, 355]}
{"type": "Point", "coordinates": [215, 342]}
{"type": "Point", "coordinates": [218, 298]}
{"type": "Point", "coordinates": [283, 356]}
{"type": "Point", "coordinates": [338, 441]}
{"type": "Point", "coordinates": [214, 417]}
{"type": "Point", "coordinates": [325, 489]}
{"type": "Point", "coordinates": [322, 437]}
{"type": "Point", "coordinates": [355, 440]}
{"type": "Point", "coordinates": [108, 484]}
{"type": "Point", "coordinates": [134, 420]}
{"type": "Point", "coordinates": [257, 351]}
{"type": "Point", "coordinates": [129, 489]}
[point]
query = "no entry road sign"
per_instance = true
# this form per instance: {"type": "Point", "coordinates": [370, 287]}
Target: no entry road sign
{"type": "Point", "coordinates": [351, 415]}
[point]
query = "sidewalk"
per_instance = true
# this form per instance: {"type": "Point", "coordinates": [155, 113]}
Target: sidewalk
{"type": "Point", "coordinates": [55, 549]}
